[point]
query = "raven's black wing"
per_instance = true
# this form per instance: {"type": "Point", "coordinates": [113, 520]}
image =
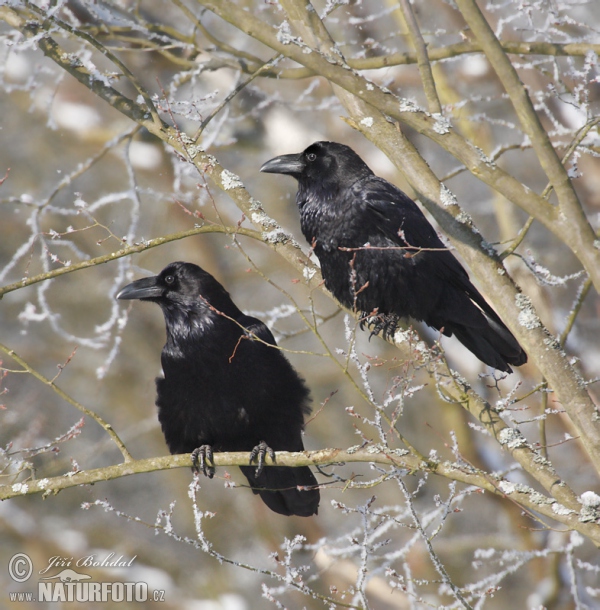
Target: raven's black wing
{"type": "Point", "coordinates": [417, 275]}
{"type": "Point", "coordinates": [288, 491]}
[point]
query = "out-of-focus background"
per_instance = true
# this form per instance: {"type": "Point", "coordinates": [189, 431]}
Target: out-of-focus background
{"type": "Point", "coordinates": [83, 181]}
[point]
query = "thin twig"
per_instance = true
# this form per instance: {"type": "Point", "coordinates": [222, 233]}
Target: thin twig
{"type": "Point", "coordinates": [433, 101]}
{"type": "Point", "coordinates": [49, 382]}
{"type": "Point", "coordinates": [126, 251]}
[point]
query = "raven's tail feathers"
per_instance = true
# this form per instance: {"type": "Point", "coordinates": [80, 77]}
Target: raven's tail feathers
{"type": "Point", "coordinates": [493, 343]}
{"type": "Point", "coordinates": [287, 491]}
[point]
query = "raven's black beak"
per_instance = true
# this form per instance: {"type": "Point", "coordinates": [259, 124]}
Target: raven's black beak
{"type": "Point", "coordinates": [146, 288]}
{"type": "Point", "coordinates": [285, 164]}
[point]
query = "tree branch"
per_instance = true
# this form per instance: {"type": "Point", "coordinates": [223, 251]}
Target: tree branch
{"type": "Point", "coordinates": [530, 122]}
{"type": "Point", "coordinates": [571, 221]}
{"type": "Point", "coordinates": [579, 239]}
{"type": "Point", "coordinates": [433, 101]}
{"type": "Point", "coordinates": [127, 251]}
{"type": "Point", "coordinates": [522, 495]}
{"type": "Point", "coordinates": [49, 382]}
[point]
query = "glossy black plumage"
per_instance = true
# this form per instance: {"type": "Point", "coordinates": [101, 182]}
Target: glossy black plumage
{"type": "Point", "coordinates": [224, 384]}
{"type": "Point", "coordinates": [369, 238]}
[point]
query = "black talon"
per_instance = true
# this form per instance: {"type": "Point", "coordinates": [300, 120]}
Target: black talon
{"type": "Point", "coordinates": [259, 452]}
{"type": "Point", "coordinates": [200, 456]}
{"type": "Point", "coordinates": [386, 324]}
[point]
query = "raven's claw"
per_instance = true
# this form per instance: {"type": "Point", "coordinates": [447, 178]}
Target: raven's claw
{"type": "Point", "coordinates": [386, 324]}
{"type": "Point", "coordinates": [200, 456]}
{"type": "Point", "coordinates": [258, 453]}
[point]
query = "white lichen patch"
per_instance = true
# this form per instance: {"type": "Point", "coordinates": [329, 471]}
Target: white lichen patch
{"type": "Point", "coordinates": [285, 36]}
{"type": "Point", "coordinates": [589, 514]}
{"type": "Point", "coordinates": [194, 151]}
{"type": "Point", "coordinates": [190, 147]}
{"type": "Point", "coordinates": [447, 197]}
{"type": "Point", "coordinates": [537, 498]}
{"type": "Point", "coordinates": [451, 466]}
{"type": "Point", "coordinates": [376, 448]}
{"type": "Point", "coordinates": [277, 236]}
{"type": "Point", "coordinates": [464, 219]}
{"type": "Point", "coordinates": [527, 316]}
{"type": "Point", "coordinates": [540, 459]}
{"type": "Point", "coordinates": [442, 125]}
{"type": "Point", "coordinates": [43, 483]}
{"type": "Point", "coordinates": [266, 222]}
{"type": "Point", "coordinates": [367, 121]}
{"type": "Point", "coordinates": [407, 105]}
{"type": "Point", "coordinates": [507, 487]}
{"type": "Point", "coordinates": [534, 496]}
{"type": "Point", "coordinates": [559, 509]}
{"type": "Point", "coordinates": [20, 488]}
{"type": "Point", "coordinates": [523, 489]}
{"type": "Point", "coordinates": [552, 343]}
{"type": "Point", "coordinates": [256, 205]}
{"type": "Point", "coordinates": [512, 438]}
{"type": "Point", "coordinates": [229, 180]}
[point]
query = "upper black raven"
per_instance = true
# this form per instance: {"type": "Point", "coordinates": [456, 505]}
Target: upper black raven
{"type": "Point", "coordinates": [378, 253]}
{"type": "Point", "coordinates": [226, 385]}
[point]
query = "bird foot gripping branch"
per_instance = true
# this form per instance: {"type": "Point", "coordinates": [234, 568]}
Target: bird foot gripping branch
{"type": "Point", "coordinates": [200, 458]}
{"type": "Point", "coordinates": [258, 453]}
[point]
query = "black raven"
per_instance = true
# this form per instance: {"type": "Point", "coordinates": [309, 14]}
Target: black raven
{"type": "Point", "coordinates": [379, 254]}
{"type": "Point", "coordinates": [226, 385]}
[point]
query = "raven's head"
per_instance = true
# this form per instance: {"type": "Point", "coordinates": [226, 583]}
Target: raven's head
{"type": "Point", "coordinates": [323, 165]}
{"type": "Point", "coordinates": [186, 294]}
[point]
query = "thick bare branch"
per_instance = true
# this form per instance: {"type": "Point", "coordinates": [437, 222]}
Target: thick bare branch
{"type": "Point", "coordinates": [526, 497]}
{"type": "Point", "coordinates": [579, 237]}
{"type": "Point", "coordinates": [572, 219]}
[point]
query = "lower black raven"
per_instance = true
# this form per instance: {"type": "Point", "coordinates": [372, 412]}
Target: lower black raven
{"type": "Point", "coordinates": [380, 255]}
{"type": "Point", "coordinates": [226, 386]}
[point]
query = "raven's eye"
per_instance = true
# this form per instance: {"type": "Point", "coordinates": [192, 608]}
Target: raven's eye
{"type": "Point", "coordinates": [169, 279]}
{"type": "Point", "coordinates": [311, 157]}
